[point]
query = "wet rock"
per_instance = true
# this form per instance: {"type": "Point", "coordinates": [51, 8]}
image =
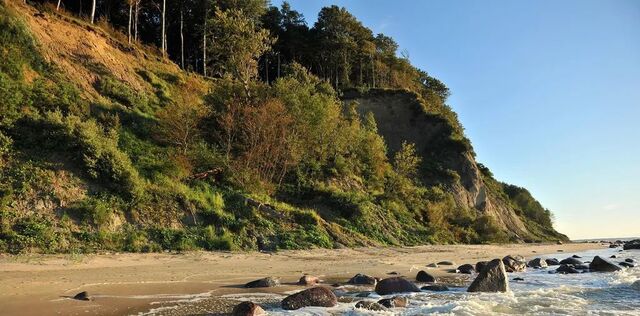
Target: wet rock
{"type": "Point", "coordinates": [423, 276]}
{"type": "Point", "coordinates": [432, 265]}
{"type": "Point", "coordinates": [308, 280]}
{"type": "Point", "coordinates": [392, 273]}
{"type": "Point", "coordinates": [632, 244]}
{"type": "Point", "coordinates": [364, 294]}
{"type": "Point", "coordinates": [603, 265]}
{"type": "Point", "coordinates": [370, 305]}
{"type": "Point", "coordinates": [480, 265]}
{"type": "Point", "coordinates": [581, 267]}
{"type": "Point", "coordinates": [315, 296]}
{"type": "Point", "coordinates": [347, 299]}
{"type": "Point", "coordinates": [636, 285]}
{"type": "Point", "coordinates": [613, 256]}
{"type": "Point", "coordinates": [538, 263]}
{"type": "Point", "coordinates": [248, 309]}
{"type": "Point", "coordinates": [493, 278]}
{"type": "Point", "coordinates": [627, 264]}
{"type": "Point", "coordinates": [394, 302]}
{"type": "Point", "coordinates": [566, 269]}
{"type": "Point", "coordinates": [466, 269]}
{"type": "Point", "coordinates": [362, 279]}
{"type": "Point", "coordinates": [573, 261]}
{"type": "Point", "coordinates": [82, 296]}
{"type": "Point", "coordinates": [514, 263]}
{"type": "Point", "coordinates": [435, 288]}
{"type": "Point", "coordinates": [518, 279]}
{"type": "Point", "coordinates": [614, 246]}
{"type": "Point", "coordinates": [265, 282]}
{"type": "Point", "coordinates": [395, 285]}
{"type": "Point", "coordinates": [446, 263]}
{"type": "Point", "coordinates": [552, 262]}
{"type": "Point", "coordinates": [576, 256]}
{"type": "Point", "coordinates": [629, 260]}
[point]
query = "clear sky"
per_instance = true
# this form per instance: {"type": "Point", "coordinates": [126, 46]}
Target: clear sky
{"type": "Point", "coordinates": [548, 92]}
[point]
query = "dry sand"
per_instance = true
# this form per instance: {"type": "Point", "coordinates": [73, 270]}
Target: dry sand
{"type": "Point", "coordinates": [124, 284]}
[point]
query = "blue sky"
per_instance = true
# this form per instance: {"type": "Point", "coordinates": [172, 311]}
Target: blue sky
{"type": "Point", "coordinates": [548, 92]}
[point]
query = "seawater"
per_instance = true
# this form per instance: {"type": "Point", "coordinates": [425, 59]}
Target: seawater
{"type": "Point", "coordinates": [541, 293]}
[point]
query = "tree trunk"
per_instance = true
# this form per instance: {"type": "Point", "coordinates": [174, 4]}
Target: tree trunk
{"type": "Point", "coordinates": [163, 37]}
{"type": "Point", "coordinates": [135, 22]}
{"type": "Point", "coordinates": [181, 38]}
{"type": "Point", "coordinates": [58, 6]}
{"type": "Point", "coordinates": [266, 68]}
{"type": "Point", "coordinates": [278, 65]}
{"type": "Point", "coordinates": [204, 43]}
{"type": "Point", "coordinates": [373, 72]}
{"type": "Point", "coordinates": [129, 28]}
{"type": "Point", "coordinates": [93, 11]}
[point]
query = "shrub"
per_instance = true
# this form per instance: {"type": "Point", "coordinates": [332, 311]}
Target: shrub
{"type": "Point", "coordinates": [120, 92]}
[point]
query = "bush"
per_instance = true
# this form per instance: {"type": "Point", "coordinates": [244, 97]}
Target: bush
{"type": "Point", "coordinates": [120, 92]}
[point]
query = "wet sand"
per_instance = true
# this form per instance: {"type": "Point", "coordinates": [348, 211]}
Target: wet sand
{"type": "Point", "coordinates": [126, 284]}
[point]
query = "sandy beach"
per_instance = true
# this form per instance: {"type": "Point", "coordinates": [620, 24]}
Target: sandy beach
{"type": "Point", "coordinates": [125, 284]}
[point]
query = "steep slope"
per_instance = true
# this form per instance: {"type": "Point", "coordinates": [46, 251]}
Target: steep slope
{"type": "Point", "coordinates": [403, 116]}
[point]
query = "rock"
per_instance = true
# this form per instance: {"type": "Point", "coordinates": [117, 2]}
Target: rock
{"type": "Point", "coordinates": [395, 285]}
{"type": "Point", "coordinates": [446, 263]}
{"type": "Point", "coordinates": [613, 256]}
{"type": "Point", "coordinates": [566, 269]}
{"type": "Point", "coordinates": [423, 276]}
{"type": "Point", "coordinates": [518, 279]}
{"type": "Point", "coordinates": [603, 265]}
{"type": "Point", "coordinates": [347, 299]}
{"type": "Point", "coordinates": [370, 305]}
{"type": "Point", "coordinates": [315, 296]}
{"type": "Point", "coordinates": [308, 280]}
{"type": "Point", "coordinates": [364, 294]}
{"type": "Point", "coordinates": [396, 301]}
{"type": "Point", "coordinates": [82, 296]}
{"type": "Point", "coordinates": [538, 263]}
{"type": "Point", "coordinates": [514, 264]}
{"type": "Point", "coordinates": [559, 242]}
{"type": "Point", "coordinates": [362, 279]}
{"type": "Point", "coordinates": [636, 285]}
{"type": "Point", "coordinates": [466, 269]}
{"type": "Point", "coordinates": [552, 262]}
{"type": "Point", "coordinates": [627, 264]}
{"type": "Point", "coordinates": [614, 246]}
{"type": "Point", "coordinates": [432, 265]}
{"type": "Point", "coordinates": [248, 309]}
{"type": "Point", "coordinates": [435, 288]}
{"type": "Point", "coordinates": [336, 285]}
{"type": "Point", "coordinates": [266, 282]}
{"type": "Point", "coordinates": [573, 261]}
{"type": "Point", "coordinates": [632, 244]}
{"type": "Point", "coordinates": [480, 265]}
{"type": "Point", "coordinates": [629, 260]}
{"type": "Point", "coordinates": [576, 256]}
{"type": "Point", "coordinates": [560, 250]}
{"type": "Point", "coordinates": [493, 278]}
{"type": "Point", "coordinates": [392, 273]}
{"type": "Point", "coordinates": [581, 267]}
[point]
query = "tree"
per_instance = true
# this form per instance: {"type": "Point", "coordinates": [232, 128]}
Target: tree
{"type": "Point", "coordinates": [178, 123]}
{"type": "Point", "coordinates": [93, 11]}
{"type": "Point", "coordinates": [406, 161]}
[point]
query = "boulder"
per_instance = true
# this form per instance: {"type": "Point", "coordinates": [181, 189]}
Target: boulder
{"type": "Point", "coordinates": [362, 279]}
{"type": "Point", "coordinates": [538, 263]}
{"type": "Point", "coordinates": [493, 278]}
{"type": "Point", "coordinates": [432, 265]}
{"type": "Point", "coordinates": [518, 279]}
{"type": "Point", "coordinates": [396, 301]}
{"type": "Point", "coordinates": [566, 269]}
{"type": "Point", "coordinates": [83, 296]}
{"type": "Point", "coordinates": [265, 282]}
{"type": "Point", "coordinates": [435, 288]}
{"type": "Point", "coordinates": [315, 296]}
{"type": "Point", "coordinates": [613, 256]}
{"type": "Point", "coordinates": [466, 269]}
{"type": "Point", "coordinates": [446, 263]}
{"type": "Point", "coordinates": [581, 267]}
{"type": "Point", "coordinates": [552, 262]}
{"type": "Point", "coordinates": [480, 265]}
{"type": "Point", "coordinates": [308, 280]}
{"type": "Point", "coordinates": [629, 260]}
{"type": "Point", "coordinates": [248, 309]}
{"type": "Point", "coordinates": [395, 285]}
{"type": "Point", "coordinates": [576, 256]}
{"type": "Point", "coordinates": [603, 265]}
{"type": "Point", "coordinates": [627, 264]}
{"type": "Point", "coordinates": [636, 285]}
{"type": "Point", "coordinates": [632, 244]}
{"type": "Point", "coordinates": [573, 261]}
{"type": "Point", "coordinates": [370, 305]}
{"type": "Point", "coordinates": [514, 264]}
{"type": "Point", "coordinates": [423, 276]}
{"type": "Point", "coordinates": [614, 246]}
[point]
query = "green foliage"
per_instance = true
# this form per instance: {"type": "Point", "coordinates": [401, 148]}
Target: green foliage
{"type": "Point", "coordinates": [121, 92]}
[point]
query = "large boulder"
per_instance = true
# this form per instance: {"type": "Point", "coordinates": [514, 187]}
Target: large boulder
{"type": "Point", "coordinates": [265, 282]}
{"type": "Point", "coordinates": [493, 278]}
{"type": "Point", "coordinates": [362, 279]}
{"type": "Point", "coordinates": [396, 301]}
{"type": "Point", "coordinates": [566, 269]}
{"type": "Point", "coordinates": [370, 305]}
{"type": "Point", "coordinates": [552, 262]}
{"type": "Point", "coordinates": [248, 309]}
{"type": "Point", "coordinates": [315, 296]}
{"type": "Point", "coordinates": [466, 269]}
{"type": "Point", "coordinates": [423, 276]}
{"type": "Point", "coordinates": [480, 265]}
{"type": "Point", "coordinates": [435, 288]}
{"type": "Point", "coordinates": [603, 265]}
{"type": "Point", "coordinates": [395, 285]}
{"type": "Point", "coordinates": [514, 264]}
{"type": "Point", "coordinates": [538, 263]}
{"type": "Point", "coordinates": [570, 260]}
{"type": "Point", "coordinates": [632, 244]}
{"type": "Point", "coordinates": [308, 280]}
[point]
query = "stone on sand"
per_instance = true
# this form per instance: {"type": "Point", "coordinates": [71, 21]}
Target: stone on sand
{"type": "Point", "coordinates": [315, 296]}
{"type": "Point", "coordinates": [248, 309]}
{"type": "Point", "coordinates": [493, 278]}
{"type": "Point", "coordinates": [395, 285]}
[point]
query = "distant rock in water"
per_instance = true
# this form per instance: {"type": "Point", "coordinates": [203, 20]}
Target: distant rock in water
{"type": "Point", "coordinates": [538, 263]}
{"type": "Point", "coordinates": [265, 282]}
{"type": "Point", "coordinates": [394, 302]}
{"type": "Point", "coordinates": [370, 305]}
{"type": "Point", "coordinates": [573, 261]}
{"type": "Point", "coordinates": [633, 244]}
{"type": "Point", "coordinates": [603, 265]}
{"type": "Point", "coordinates": [629, 260]}
{"type": "Point", "coordinates": [518, 279]}
{"type": "Point", "coordinates": [552, 262]}
{"type": "Point", "coordinates": [576, 256]}
{"type": "Point", "coordinates": [480, 265]}
{"type": "Point", "coordinates": [395, 285]}
{"type": "Point", "coordinates": [466, 269]}
{"type": "Point", "coordinates": [514, 263]}
{"type": "Point", "coordinates": [435, 288]}
{"type": "Point", "coordinates": [423, 276]}
{"type": "Point", "coordinates": [627, 264]}
{"type": "Point", "coordinates": [248, 309]}
{"type": "Point", "coordinates": [82, 296]}
{"type": "Point", "coordinates": [316, 296]}
{"type": "Point", "coordinates": [362, 279]}
{"type": "Point", "coordinates": [636, 285]}
{"type": "Point", "coordinates": [566, 269]}
{"type": "Point", "coordinates": [493, 278]}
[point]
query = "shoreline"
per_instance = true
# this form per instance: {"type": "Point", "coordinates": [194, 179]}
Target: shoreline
{"type": "Point", "coordinates": [132, 283]}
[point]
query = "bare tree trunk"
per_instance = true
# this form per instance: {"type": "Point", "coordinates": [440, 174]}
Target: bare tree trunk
{"type": "Point", "coordinates": [204, 43]}
{"type": "Point", "coordinates": [130, 13]}
{"type": "Point", "coordinates": [181, 38]}
{"type": "Point", "coordinates": [135, 23]}
{"type": "Point", "coordinates": [373, 72]}
{"type": "Point", "coordinates": [278, 65]}
{"type": "Point", "coordinates": [93, 11]}
{"type": "Point", "coordinates": [57, 7]}
{"type": "Point", "coordinates": [163, 37]}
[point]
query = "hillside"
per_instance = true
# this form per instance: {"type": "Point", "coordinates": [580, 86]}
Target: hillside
{"type": "Point", "coordinates": [107, 145]}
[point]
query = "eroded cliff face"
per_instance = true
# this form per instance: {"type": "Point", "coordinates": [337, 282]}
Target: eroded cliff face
{"type": "Point", "coordinates": [402, 116]}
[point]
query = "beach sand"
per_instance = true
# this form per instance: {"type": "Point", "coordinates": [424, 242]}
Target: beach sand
{"type": "Point", "coordinates": [125, 284]}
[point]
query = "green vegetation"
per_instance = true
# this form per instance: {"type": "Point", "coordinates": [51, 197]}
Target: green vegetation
{"type": "Point", "coordinates": [243, 160]}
